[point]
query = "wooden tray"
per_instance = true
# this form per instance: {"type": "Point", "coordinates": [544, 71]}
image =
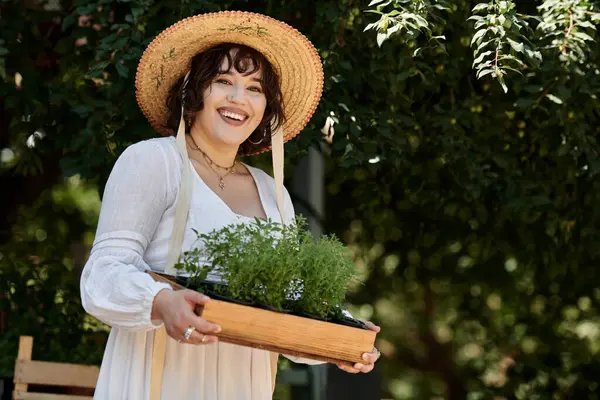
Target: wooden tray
{"type": "Point", "coordinates": [284, 333]}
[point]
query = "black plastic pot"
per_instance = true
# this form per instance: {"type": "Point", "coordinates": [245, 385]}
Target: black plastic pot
{"type": "Point", "coordinates": [217, 296]}
{"type": "Point", "coordinates": [213, 290]}
{"type": "Point", "coordinates": [275, 309]}
{"type": "Point", "coordinates": [351, 322]}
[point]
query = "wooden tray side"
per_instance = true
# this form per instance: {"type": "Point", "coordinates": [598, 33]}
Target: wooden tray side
{"type": "Point", "coordinates": [284, 333]}
{"type": "Point", "coordinates": [289, 334]}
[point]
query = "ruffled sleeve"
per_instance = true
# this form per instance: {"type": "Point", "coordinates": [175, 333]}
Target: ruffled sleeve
{"type": "Point", "coordinates": [114, 287]}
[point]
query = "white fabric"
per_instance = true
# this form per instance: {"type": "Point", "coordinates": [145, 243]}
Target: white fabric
{"type": "Point", "coordinates": [181, 207]}
{"type": "Point", "coordinates": [133, 235]}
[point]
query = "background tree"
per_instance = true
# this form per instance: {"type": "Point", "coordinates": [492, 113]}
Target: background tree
{"type": "Point", "coordinates": [462, 169]}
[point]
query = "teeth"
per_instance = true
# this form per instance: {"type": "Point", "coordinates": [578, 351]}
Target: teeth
{"type": "Point", "coordinates": [230, 114]}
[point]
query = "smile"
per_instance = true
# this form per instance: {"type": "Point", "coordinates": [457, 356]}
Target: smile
{"type": "Point", "coordinates": [233, 115]}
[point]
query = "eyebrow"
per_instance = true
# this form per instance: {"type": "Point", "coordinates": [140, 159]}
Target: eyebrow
{"type": "Point", "coordinates": [231, 74]}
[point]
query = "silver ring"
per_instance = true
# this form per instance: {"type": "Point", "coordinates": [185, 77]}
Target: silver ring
{"type": "Point", "coordinates": [203, 338]}
{"type": "Point", "coordinates": [189, 332]}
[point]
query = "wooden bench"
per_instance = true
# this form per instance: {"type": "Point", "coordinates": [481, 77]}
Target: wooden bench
{"type": "Point", "coordinates": [29, 372]}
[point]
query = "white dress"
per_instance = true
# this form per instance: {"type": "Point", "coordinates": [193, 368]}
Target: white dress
{"type": "Point", "coordinates": [134, 229]}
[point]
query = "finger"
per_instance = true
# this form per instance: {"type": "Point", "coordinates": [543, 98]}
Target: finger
{"type": "Point", "coordinates": [364, 368]}
{"type": "Point", "coordinates": [200, 338]}
{"type": "Point", "coordinates": [372, 326]}
{"type": "Point", "coordinates": [203, 326]}
{"type": "Point", "coordinates": [194, 297]}
{"type": "Point", "coordinates": [348, 369]}
{"type": "Point", "coordinates": [370, 358]}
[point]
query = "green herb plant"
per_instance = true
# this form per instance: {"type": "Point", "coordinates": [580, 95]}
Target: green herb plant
{"type": "Point", "coordinates": [274, 265]}
{"type": "Point", "coordinates": [326, 270]}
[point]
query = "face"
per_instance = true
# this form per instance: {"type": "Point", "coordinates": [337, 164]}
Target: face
{"type": "Point", "coordinates": [234, 105]}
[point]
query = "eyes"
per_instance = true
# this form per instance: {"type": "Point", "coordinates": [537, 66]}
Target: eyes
{"type": "Point", "coordinates": [252, 88]}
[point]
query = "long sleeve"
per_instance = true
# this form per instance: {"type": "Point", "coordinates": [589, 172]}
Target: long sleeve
{"type": "Point", "coordinates": [114, 287]}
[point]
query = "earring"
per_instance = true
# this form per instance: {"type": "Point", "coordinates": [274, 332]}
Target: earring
{"type": "Point", "coordinates": [261, 139]}
{"type": "Point", "coordinates": [256, 143]}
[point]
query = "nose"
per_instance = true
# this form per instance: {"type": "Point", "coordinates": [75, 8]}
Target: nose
{"type": "Point", "coordinates": [236, 94]}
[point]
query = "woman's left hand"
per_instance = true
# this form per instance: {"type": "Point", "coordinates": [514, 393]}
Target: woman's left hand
{"type": "Point", "coordinates": [370, 358]}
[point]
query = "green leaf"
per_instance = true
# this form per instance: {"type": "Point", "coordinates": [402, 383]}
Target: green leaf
{"type": "Point", "coordinates": [554, 98]}
{"type": "Point", "coordinates": [524, 103]}
{"type": "Point", "coordinates": [480, 7]}
{"type": "Point", "coordinates": [483, 55]}
{"type": "Point", "coordinates": [533, 55]}
{"type": "Point", "coordinates": [475, 18]}
{"type": "Point", "coordinates": [586, 24]}
{"type": "Point", "coordinates": [478, 35]}
{"type": "Point", "coordinates": [583, 35]}
{"type": "Point", "coordinates": [372, 25]}
{"type": "Point", "coordinates": [381, 37]}
{"type": "Point", "coordinates": [505, 67]}
{"type": "Point", "coordinates": [502, 83]}
{"type": "Point", "coordinates": [68, 21]}
{"type": "Point", "coordinates": [483, 44]}
{"type": "Point", "coordinates": [484, 72]}
{"type": "Point", "coordinates": [122, 69]}
{"type": "Point", "coordinates": [515, 45]}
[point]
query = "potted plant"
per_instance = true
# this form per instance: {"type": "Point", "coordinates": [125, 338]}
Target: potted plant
{"type": "Point", "coordinates": [277, 289]}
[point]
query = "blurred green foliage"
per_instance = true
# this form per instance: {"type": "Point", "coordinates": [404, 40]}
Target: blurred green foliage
{"type": "Point", "coordinates": [39, 278]}
{"type": "Point", "coordinates": [471, 211]}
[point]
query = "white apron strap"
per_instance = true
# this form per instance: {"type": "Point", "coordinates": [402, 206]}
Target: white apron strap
{"type": "Point", "coordinates": [181, 212]}
{"type": "Point", "coordinates": [277, 152]}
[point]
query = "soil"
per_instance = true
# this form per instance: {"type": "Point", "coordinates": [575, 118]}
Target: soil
{"type": "Point", "coordinates": [211, 289]}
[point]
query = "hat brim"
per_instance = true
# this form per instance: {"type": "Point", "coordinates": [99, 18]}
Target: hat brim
{"type": "Point", "coordinates": [294, 58]}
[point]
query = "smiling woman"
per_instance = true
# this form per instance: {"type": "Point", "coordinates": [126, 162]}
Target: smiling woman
{"type": "Point", "coordinates": [218, 83]}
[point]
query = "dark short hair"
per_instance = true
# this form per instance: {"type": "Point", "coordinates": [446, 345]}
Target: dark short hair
{"type": "Point", "coordinates": [205, 66]}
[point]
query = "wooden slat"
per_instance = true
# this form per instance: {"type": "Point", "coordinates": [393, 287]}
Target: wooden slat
{"type": "Point", "coordinates": [58, 374]}
{"type": "Point", "coordinates": [25, 351]}
{"type": "Point", "coordinates": [47, 396]}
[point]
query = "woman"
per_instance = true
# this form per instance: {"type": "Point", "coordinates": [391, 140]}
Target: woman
{"type": "Point", "coordinates": [221, 82]}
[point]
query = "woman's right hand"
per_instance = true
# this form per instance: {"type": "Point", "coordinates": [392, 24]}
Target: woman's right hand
{"type": "Point", "coordinates": [176, 310]}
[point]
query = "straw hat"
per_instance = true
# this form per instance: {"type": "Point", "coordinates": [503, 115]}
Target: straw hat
{"type": "Point", "coordinates": [292, 55]}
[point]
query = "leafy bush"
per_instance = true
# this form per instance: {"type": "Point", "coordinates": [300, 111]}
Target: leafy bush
{"type": "Point", "coordinates": [274, 265]}
{"type": "Point", "coordinates": [39, 279]}
{"type": "Point", "coordinates": [326, 270]}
